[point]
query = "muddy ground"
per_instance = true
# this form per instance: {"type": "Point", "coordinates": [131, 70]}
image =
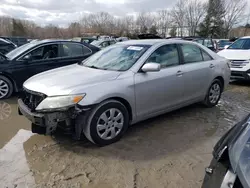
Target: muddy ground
{"type": "Point", "coordinates": [170, 151]}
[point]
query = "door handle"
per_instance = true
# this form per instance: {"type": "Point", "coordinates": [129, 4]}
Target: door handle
{"type": "Point", "coordinates": [211, 66]}
{"type": "Point", "coordinates": [179, 73]}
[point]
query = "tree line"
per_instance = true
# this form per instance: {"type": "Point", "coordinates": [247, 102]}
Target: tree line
{"type": "Point", "coordinates": [213, 18]}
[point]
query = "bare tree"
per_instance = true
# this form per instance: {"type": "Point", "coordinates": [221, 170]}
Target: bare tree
{"type": "Point", "coordinates": [144, 21]}
{"type": "Point", "coordinates": [195, 11]}
{"type": "Point", "coordinates": [163, 22]}
{"type": "Point", "coordinates": [234, 12]}
{"type": "Point", "coordinates": [179, 15]}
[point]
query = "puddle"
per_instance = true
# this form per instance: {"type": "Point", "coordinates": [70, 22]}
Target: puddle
{"type": "Point", "coordinates": [15, 172]}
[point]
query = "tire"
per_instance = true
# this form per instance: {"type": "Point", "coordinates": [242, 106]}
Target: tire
{"type": "Point", "coordinates": [211, 99]}
{"type": "Point", "coordinates": [116, 125]}
{"type": "Point", "coordinates": [6, 87]}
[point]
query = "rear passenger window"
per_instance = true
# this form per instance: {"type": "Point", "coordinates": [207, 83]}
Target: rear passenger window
{"type": "Point", "coordinates": [191, 53]}
{"type": "Point", "coordinates": [206, 57]}
{"type": "Point", "coordinates": [74, 50]}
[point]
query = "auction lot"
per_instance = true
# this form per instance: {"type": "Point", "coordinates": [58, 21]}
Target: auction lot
{"type": "Point", "coordinates": [171, 150]}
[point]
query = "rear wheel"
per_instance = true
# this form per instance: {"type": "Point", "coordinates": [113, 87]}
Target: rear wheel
{"type": "Point", "coordinates": [6, 87]}
{"type": "Point", "coordinates": [107, 123]}
{"type": "Point", "coordinates": [213, 94]}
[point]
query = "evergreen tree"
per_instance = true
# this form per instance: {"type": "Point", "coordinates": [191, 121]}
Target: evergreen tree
{"type": "Point", "coordinates": [212, 26]}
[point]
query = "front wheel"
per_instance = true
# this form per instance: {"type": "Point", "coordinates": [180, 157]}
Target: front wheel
{"type": "Point", "coordinates": [107, 123]}
{"type": "Point", "coordinates": [213, 94]}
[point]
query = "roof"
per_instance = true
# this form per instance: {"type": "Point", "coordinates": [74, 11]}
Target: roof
{"type": "Point", "coordinates": [246, 37]}
{"type": "Point", "coordinates": [153, 41]}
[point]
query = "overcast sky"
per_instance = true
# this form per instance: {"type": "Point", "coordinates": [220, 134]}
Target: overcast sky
{"type": "Point", "coordinates": [62, 12]}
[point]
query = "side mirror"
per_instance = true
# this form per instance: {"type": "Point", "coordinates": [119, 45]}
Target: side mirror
{"type": "Point", "coordinates": [151, 67]}
{"type": "Point", "coordinates": [225, 47]}
{"type": "Point", "coordinates": [27, 58]}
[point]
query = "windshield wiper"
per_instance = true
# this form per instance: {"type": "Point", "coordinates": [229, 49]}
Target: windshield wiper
{"type": "Point", "coordinates": [94, 67]}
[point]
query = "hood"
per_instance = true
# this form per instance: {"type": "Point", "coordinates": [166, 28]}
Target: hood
{"type": "Point", "coordinates": [65, 80]}
{"type": "Point", "coordinates": [235, 54]}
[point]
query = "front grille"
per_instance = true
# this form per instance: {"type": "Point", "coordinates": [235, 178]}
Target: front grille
{"type": "Point", "coordinates": [32, 99]}
{"type": "Point", "coordinates": [239, 63]}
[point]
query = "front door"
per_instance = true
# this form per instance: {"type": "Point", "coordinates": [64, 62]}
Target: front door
{"type": "Point", "coordinates": [157, 91]}
{"type": "Point", "coordinates": [41, 59]}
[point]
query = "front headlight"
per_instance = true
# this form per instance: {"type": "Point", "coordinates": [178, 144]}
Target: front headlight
{"type": "Point", "coordinates": [57, 102]}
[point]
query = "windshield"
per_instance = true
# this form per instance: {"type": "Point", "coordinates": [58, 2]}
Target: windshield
{"type": "Point", "coordinates": [18, 51]}
{"type": "Point", "coordinates": [240, 44]}
{"type": "Point", "coordinates": [223, 43]}
{"type": "Point", "coordinates": [118, 57]}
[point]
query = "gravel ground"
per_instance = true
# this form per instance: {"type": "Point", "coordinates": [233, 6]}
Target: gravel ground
{"type": "Point", "coordinates": [170, 151]}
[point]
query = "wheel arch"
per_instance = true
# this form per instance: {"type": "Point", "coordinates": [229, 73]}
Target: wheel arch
{"type": "Point", "coordinates": [125, 103]}
{"type": "Point", "coordinates": [221, 79]}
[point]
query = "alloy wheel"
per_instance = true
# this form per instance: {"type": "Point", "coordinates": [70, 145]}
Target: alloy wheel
{"type": "Point", "coordinates": [4, 89]}
{"type": "Point", "coordinates": [214, 93]}
{"type": "Point", "coordinates": [110, 124]}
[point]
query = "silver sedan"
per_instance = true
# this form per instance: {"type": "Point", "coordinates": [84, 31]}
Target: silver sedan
{"type": "Point", "coordinates": [123, 84]}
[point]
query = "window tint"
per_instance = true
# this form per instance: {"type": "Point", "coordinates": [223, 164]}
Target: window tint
{"type": "Point", "coordinates": [191, 53]}
{"type": "Point", "coordinates": [44, 52]}
{"type": "Point", "coordinates": [166, 55]}
{"type": "Point", "coordinates": [74, 50]}
{"type": "Point", "coordinates": [206, 57]}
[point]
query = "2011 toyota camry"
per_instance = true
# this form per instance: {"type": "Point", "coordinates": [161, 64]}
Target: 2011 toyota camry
{"type": "Point", "coordinates": [123, 84]}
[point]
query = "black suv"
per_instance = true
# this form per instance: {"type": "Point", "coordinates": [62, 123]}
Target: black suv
{"type": "Point", "coordinates": [36, 57]}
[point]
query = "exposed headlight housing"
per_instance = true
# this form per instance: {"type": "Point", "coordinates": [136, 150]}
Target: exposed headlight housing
{"type": "Point", "coordinates": [57, 102]}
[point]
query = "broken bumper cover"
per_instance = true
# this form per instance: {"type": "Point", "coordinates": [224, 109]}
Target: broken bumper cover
{"type": "Point", "coordinates": [49, 121]}
{"type": "Point", "coordinates": [35, 118]}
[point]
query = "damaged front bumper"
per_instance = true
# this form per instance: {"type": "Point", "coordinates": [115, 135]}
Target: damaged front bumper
{"type": "Point", "coordinates": [47, 122]}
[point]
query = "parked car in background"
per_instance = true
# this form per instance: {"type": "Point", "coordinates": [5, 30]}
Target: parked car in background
{"type": "Point", "coordinates": [84, 39]}
{"type": "Point", "coordinates": [121, 39]}
{"type": "Point", "coordinates": [6, 46]}
{"type": "Point", "coordinates": [230, 166]}
{"type": "Point", "coordinates": [103, 43]}
{"type": "Point", "coordinates": [123, 84]}
{"type": "Point", "coordinates": [222, 43]}
{"type": "Point", "coordinates": [19, 41]}
{"type": "Point", "coordinates": [32, 58]}
{"type": "Point", "coordinates": [208, 42]}
{"type": "Point", "coordinates": [239, 55]}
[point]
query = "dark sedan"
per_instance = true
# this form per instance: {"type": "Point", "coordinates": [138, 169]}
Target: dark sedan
{"type": "Point", "coordinates": [230, 167]}
{"type": "Point", "coordinates": [36, 57]}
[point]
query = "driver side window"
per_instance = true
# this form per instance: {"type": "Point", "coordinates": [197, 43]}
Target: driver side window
{"type": "Point", "coordinates": [44, 52]}
{"type": "Point", "coordinates": [166, 56]}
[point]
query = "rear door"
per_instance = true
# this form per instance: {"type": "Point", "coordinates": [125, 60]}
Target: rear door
{"type": "Point", "coordinates": [71, 53]}
{"type": "Point", "coordinates": [198, 71]}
